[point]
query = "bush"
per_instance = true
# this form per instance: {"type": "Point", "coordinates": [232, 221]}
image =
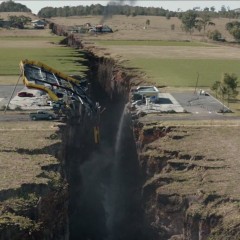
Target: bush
{"type": "Point", "coordinates": [168, 16]}
{"type": "Point", "coordinates": [214, 35]}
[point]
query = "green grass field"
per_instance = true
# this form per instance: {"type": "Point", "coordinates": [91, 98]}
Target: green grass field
{"type": "Point", "coordinates": [52, 38]}
{"type": "Point", "coordinates": [152, 43]}
{"type": "Point", "coordinates": [184, 72]}
{"type": "Point", "coordinates": [62, 58]}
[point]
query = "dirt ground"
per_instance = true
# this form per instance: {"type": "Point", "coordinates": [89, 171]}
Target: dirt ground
{"type": "Point", "coordinates": [213, 166]}
{"type": "Point", "coordinates": [163, 52]}
{"type": "Point", "coordinates": [25, 147]}
{"type": "Point", "coordinates": [135, 27]}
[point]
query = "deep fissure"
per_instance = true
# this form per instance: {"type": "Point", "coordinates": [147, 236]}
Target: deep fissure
{"type": "Point", "coordinates": [104, 179]}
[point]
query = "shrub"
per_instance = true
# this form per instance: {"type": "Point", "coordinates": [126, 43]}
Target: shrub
{"type": "Point", "coordinates": [168, 16]}
{"type": "Point", "coordinates": [214, 35]}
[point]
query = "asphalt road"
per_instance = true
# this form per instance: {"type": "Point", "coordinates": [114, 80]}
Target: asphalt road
{"type": "Point", "coordinates": [200, 107]}
{"type": "Point", "coordinates": [5, 94]}
{"type": "Point", "coordinates": [13, 117]}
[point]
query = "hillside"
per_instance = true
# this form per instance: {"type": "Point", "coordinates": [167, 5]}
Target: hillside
{"type": "Point", "coordinates": [133, 27]}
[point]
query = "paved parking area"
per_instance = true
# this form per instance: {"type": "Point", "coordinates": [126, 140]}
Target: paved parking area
{"type": "Point", "coordinates": [196, 103]}
{"type": "Point", "coordinates": [25, 103]}
{"type": "Point", "coordinates": [6, 91]}
{"type": "Point", "coordinates": [180, 102]}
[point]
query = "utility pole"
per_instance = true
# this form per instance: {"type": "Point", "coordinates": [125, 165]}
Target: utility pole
{"type": "Point", "coordinates": [12, 94]}
{"type": "Point", "coordinates": [196, 83]}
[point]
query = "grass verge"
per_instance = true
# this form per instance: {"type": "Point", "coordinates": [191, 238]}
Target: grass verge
{"type": "Point", "coordinates": [184, 72]}
{"type": "Point", "coordinates": [61, 58]}
{"type": "Point", "coordinates": [152, 43]}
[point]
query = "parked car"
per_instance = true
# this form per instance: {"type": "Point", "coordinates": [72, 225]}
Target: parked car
{"type": "Point", "coordinates": [42, 115]}
{"type": "Point", "coordinates": [25, 94]}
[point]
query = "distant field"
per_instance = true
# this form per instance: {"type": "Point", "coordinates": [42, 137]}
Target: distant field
{"type": "Point", "coordinates": [52, 38]}
{"type": "Point", "coordinates": [183, 72]}
{"type": "Point", "coordinates": [59, 57]}
{"type": "Point", "coordinates": [152, 43]}
{"type": "Point", "coordinates": [176, 63]}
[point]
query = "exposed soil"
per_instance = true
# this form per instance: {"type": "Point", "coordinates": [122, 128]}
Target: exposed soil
{"type": "Point", "coordinates": [32, 187]}
{"type": "Point", "coordinates": [133, 27]}
{"type": "Point", "coordinates": [191, 171]}
{"type": "Point", "coordinates": [192, 178]}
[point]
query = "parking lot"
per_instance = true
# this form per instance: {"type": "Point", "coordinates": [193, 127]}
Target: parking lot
{"type": "Point", "coordinates": [199, 103]}
{"type": "Point", "coordinates": [23, 98]}
{"type": "Point", "coordinates": [20, 103]}
{"type": "Point", "coordinates": [202, 104]}
{"type": "Point", "coordinates": [6, 91]}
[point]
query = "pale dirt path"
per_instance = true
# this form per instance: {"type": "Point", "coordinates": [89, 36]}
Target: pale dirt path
{"type": "Point", "coordinates": [172, 52]}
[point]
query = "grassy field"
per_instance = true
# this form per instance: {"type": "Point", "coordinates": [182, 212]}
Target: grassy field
{"type": "Point", "coordinates": [60, 58]}
{"type": "Point", "coordinates": [151, 43]}
{"type": "Point", "coordinates": [175, 63]}
{"type": "Point", "coordinates": [43, 48]}
{"type": "Point", "coordinates": [24, 148]}
{"type": "Point", "coordinates": [53, 38]}
{"type": "Point", "coordinates": [184, 72]}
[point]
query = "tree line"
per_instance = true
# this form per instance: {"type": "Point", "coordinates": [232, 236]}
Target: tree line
{"type": "Point", "coordinates": [191, 20]}
{"type": "Point", "coordinates": [114, 9]}
{"type": "Point", "coordinates": [98, 9]}
{"type": "Point", "coordinates": [11, 6]}
{"type": "Point", "coordinates": [15, 21]}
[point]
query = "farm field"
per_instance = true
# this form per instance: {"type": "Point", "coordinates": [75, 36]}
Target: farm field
{"type": "Point", "coordinates": [134, 28]}
{"type": "Point", "coordinates": [184, 72]}
{"type": "Point", "coordinates": [211, 147]}
{"type": "Point", "coordinates": [177, 63]}
{"type": "Point", "coordinates": [34, 46]}
{"type": "Point", "coordinates": [173, 57]}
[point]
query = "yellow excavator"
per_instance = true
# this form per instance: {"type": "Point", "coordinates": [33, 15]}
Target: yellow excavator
{"type": "Point", "coordinates": [62, 89]}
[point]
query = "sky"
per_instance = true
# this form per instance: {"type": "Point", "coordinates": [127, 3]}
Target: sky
{"type": "Point", "coordinates": [174, 5]}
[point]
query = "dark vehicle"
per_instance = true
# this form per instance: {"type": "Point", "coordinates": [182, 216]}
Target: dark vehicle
{"type": "Point", "coordinates": [101, 29]}
{"type": "Point", "coordinates": [42, 115]}
{"type": "Point", "coordinates": [25, 94]}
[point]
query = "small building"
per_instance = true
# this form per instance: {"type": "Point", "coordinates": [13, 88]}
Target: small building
{"type": "Point", "coordinates": [237, 10]}
{"type": "Point", "coordinates": [39, 24]}
{"type": "Point", "coordinates": [145, 92]}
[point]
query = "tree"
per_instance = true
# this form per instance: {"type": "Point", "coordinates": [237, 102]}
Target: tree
{"type": "Point", "coordinates": [212, 9]}
{"type": "Point", "coordinates": [205, 21]}
{"type": "Point", "coordinates": [234, 29]}
{"type": "Point", "coordinates": [227, 87]}
{"type": "Point", "coordinates": [215, 87]}
{"type": "Point", "coordinates": [11, 6]}
{"type": "Point", "coordinates": [168, 16]}
{"type": "Point", "coordinates": [231, 83]}
{"type": "Point", "coordinates": [189, 21]}
{"type": "Point", "coordinates": [223, 9]}
{"type": "Point", "coordinates": [147, 22]}
{"type": "Point", "coordinates": [19, 22]}
{"type": "Point", "coordinates": [25, 20]}
{"type": "Point", "coordinates": [215, 35]}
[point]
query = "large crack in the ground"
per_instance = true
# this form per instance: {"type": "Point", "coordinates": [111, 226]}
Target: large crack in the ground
{"type": "Point", "coordinates": [105, 183]}
{"type": "Point", "coordinates": [105, 187]}
{"type": "Point", "coordinates": [104, 179]}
